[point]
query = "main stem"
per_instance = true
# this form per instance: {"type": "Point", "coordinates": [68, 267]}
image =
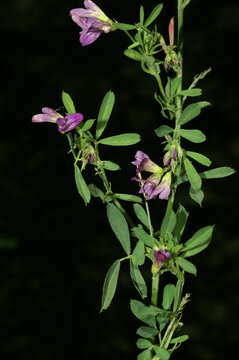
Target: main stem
{"type": "Point", "coordinates": [180, 10]}
{"type": "Point", "coordinates": [155, 289]}
{"type": "Point", "coordinates": [155, 277]}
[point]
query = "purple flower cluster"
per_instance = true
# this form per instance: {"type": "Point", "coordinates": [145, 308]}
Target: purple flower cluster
{"type": "Point", "coordinates": [160, 257]}
{"type": "Point", "coordinates": [156, 185]}
{"type": "Point", "coordinates": [65, 124]}
{"type": "Point", "coordinates": [92, 20]}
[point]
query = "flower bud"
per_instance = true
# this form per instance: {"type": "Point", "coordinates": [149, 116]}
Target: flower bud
{"type": "Point", "coordinates": [88, 155]}
{"type": "Point", "coordinates": [171, 32]}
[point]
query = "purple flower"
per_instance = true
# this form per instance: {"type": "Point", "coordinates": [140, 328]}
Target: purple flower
{"type": "Point", "coordinates": [160, 257]}
{"type": "Point", "coordinates": [92, 20]}
{"type": "Point", "coordinates": [48, 115]}
{"type": "Point", "coordinates": [156, 185]}
{"type": "Point", "coordinates": [153, 187]}
{"type": "Point", "coordinates": [69, 122]}
{"type": "Point", "coordinates": [143, 163]}
{"type": "Point", "coordinates": [65, 124]}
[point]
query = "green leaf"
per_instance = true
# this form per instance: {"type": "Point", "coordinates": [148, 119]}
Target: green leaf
{"type": "Point", "coordinates": [179, 339]}
{"type": "Point", "coordinates": [144, 313]}
{"type": "Point", "coordinates": [178, 292]}
{"type": "Point", "coordinates": [119, 226]}
{"type": "Point", "coordinates": [186, 265]}
{"type": "Point", "coordinates": [217, 173]}
{"type": "Point", "coordinates": [181, 220]}
{"type": "Point", "coordinates": [186, 2]}
{"type": "Point", "coordinates": [192, 174]}
{"type": "Point", "coordinates": [144, 355]}
{"type": "Point", "coordinates": [153, 15]}
{"type": "Point", "coordinates": [148, 240]}
{"type": "Point", "coordinates": [68, 103]}
{"type": "Point", "coordinates": [196, 195]}
{"type": "Point", "coordinates": [141, 15]}
{"type": "Point", "coordinates": [133, 54]}
{"type": "Point", "coordinates": [121, 140]}
{"type": "Point", "coordinates": [196, 250]}
{"type": "Point", "coordinates": [143, 344]}
{"type": "Point", "coordinates": [141, 214]}
{"type": "Point", "coordinates": [202, 159]}
{"type": "Point", "coordinates": [195, 136]}
{"type": "Point", "coordinates": [105, 111]}
{"type": "Point", "coordinates": [168, 296]}
{"type": "Point", "coordinates": [168, 223]}
{"type": "Point", "coordinates": [161, 352]}
{"type": "Point", "coordinates": [163, 130]}
{"type": "Point", "coordinates": [138, 280]}
{"type": "Point", "coordinates": [172, 87]}
{"type": "Point", "coordinates": [163, 318]}
{"type": "Point", "coordinates": [123, 26]}
{"type": "Point", "coordinates": [109, 165]}
{"type": "Point", "coordinates": [110, 285]}
{"type": "Point", "coordinates": [191, 92]}
{"type": "Point", "coordinates": [198, 242]}
{"type": "Point", "coordinates": [96, 192]}
{"type": "Point", "coordinates": [88, 125]}
{"type": "Point", "coordinates": [134, 45]}
{"type": "Point", "coordinates": [147, 332]}
{"type": "Point", "coordinates": [138, 253]}
{"type": "Point", "coordinates": [192, 111]}
{"type": "Point", "coordinates": [128, 197]}
{"type": "Point", "coordinates": [82, 188]}
{"type": "Point", "coordinates": [200, 236]}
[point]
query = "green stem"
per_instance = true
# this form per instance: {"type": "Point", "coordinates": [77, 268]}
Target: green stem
{"type": "Point", "coordinates": [159, 82]}
{"type": "Point", "coordinates": [125, 258]}
{"type": "Point", "coordinates": [169, 333]}
{"type": "Point", "coordinates": [69, 138]}
{"type": "Point", "coordinates": [180, 10]}
{"type": "Point", "coordinates": [155, 276]}
{"type": "Point", "coordinates": [170, 201]}
{"type": "Point", "coordinates": [107, 186]}
{"type": "Point", "coordinates": [77, 158]}
{"type": "Point", "coordinates": [129, 36]}
{"type": "Point", "coordinates": [155, 289]}
{"type": "Point", "coordinates": [149, 218]}
{"type": "Point", "coordinates": [156, 76]}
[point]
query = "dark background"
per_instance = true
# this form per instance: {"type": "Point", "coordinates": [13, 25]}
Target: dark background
{"type": "Point", "coordinates": [50, 284]}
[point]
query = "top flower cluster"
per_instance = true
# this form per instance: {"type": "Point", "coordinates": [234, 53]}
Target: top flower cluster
{"type": "Point", "coordinates": [92, 20]}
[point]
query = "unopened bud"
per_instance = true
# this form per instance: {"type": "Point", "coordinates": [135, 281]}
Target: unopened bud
{"type": "Point", "coordinates": [171, 31]}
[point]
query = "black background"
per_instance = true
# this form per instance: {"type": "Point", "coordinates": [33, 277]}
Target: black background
{"type": "Point", "coordinates": [50, 285]}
